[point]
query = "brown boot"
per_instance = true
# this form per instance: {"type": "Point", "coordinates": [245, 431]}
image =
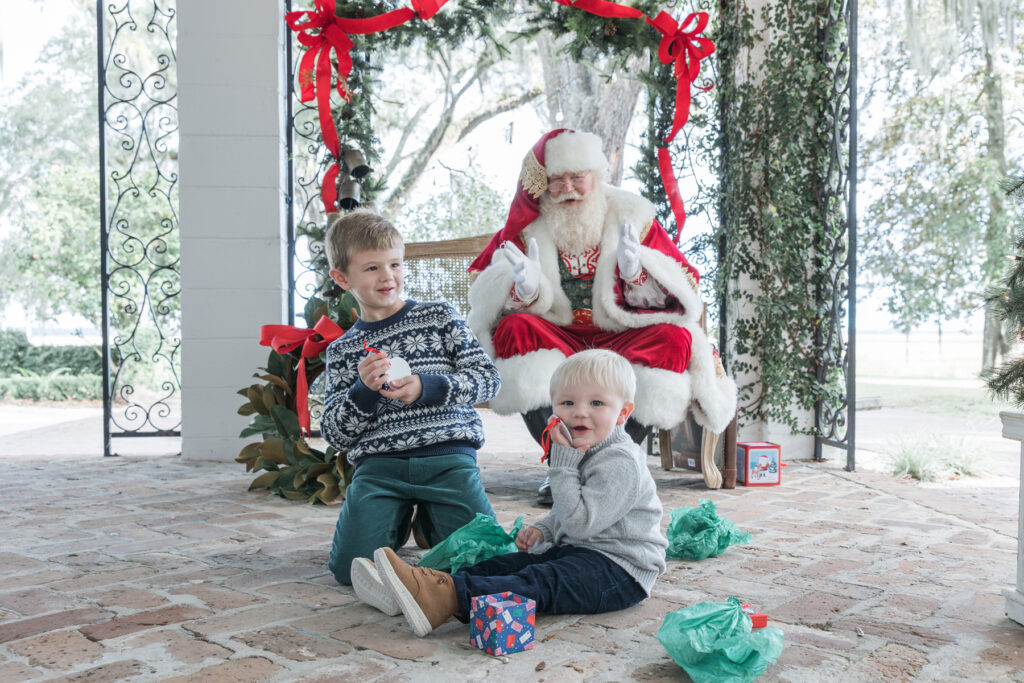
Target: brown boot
{"type": "Point", "coordinates": [427, 597]}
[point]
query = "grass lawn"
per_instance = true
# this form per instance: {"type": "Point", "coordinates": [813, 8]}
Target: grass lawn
{"type": "Point", "coordinates": [944, 397]}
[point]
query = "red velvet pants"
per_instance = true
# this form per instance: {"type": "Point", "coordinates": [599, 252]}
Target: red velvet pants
{"type": "Point", "coordinates": [661, 346]}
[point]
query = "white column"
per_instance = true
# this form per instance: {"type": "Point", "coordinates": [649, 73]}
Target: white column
{"type": "Point", "coordinates": [232, 93]}
{"type": "Point", "coordinates": [794, 446]}
{"type": "Point", "coordinates": [1013, 428]}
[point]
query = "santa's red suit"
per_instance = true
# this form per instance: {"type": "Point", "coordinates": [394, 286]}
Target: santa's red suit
{"type": "Point", "coordinates": [583, 302]}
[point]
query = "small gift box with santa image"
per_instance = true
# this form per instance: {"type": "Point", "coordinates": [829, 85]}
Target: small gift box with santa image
{"type": "Point", "coordinates": [758, 463]}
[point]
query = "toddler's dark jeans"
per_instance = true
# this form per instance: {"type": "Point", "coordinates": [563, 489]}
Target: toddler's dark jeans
{"type": "Point", "coordinates": [564, 579]}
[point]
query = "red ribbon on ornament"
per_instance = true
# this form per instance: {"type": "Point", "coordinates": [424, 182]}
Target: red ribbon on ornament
{"type": "Point", "coordinates": [684, 49]}
{"type": "Point", "coordinates": [313, 340]}
{"type": "Point", "coordinates": [322, 32]}
{"type": "Point", "coordinates": [545, 438]}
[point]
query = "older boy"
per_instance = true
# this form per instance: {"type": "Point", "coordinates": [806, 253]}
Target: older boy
{"type": "Point", "coordinates": [413, 438]}
{"type": "Point", "coordinates": [601, 547]}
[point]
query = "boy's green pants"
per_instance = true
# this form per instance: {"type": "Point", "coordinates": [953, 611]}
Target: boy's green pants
{"type": "Point", "coordinates": [379, 504]}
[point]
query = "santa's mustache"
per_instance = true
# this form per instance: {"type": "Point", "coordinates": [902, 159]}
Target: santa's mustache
{"type": "Point", "coordinates": [567, 197]}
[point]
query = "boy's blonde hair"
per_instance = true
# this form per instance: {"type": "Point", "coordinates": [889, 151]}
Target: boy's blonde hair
{"type": "Point", "coordinates": [604, 367]}
{"type": "Point", "coordinates": [361, 230]}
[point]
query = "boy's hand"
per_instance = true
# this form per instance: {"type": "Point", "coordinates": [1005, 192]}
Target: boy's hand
{"type": "Point", "coordinates": [405, 389]}
{"type": "Point", "coordinates": [527, 537]}
{"type": "Point", "coordinates": [372, 370]}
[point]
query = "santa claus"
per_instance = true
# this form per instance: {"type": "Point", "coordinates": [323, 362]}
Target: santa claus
{"type": "Point", "coordinates": [582, 264]}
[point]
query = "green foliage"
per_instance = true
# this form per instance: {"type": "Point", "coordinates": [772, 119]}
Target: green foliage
{"type": "Point", "coordinates": [942, 109]}
{"type": "Point", "coordinates": [49, 186]}
{"type": "Point", "coordinates": [1007, 381]}
{"type": "Point", "coordinates": [18, 356]}
{"type": "Point", "coordinates": [289, 465]}
{"type": "Point", "coordinates": [779, 227]}
{"type": "Point", "coordinates": [54, 386]}
{"type": "Point", "coordinates": [933, 459]}
{"type": "Point", "coordinates": [914, 461]}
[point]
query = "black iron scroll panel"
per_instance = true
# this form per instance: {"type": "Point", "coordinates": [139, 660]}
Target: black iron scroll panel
{"type": "Point", "coordinates": [835, 415]}
{"type": "Point", "coordinates": [139, 238]}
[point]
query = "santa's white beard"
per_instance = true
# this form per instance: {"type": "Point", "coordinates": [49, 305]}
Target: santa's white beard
{"type": "Point", "coordinates": [576, 226]}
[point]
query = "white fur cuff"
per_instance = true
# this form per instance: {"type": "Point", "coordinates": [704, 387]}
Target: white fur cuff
{"type": "Point", "coordinates": [525, 381]}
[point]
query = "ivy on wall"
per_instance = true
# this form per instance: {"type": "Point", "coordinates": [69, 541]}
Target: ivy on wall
{"type": "Point", "coordinates": [779, 225]}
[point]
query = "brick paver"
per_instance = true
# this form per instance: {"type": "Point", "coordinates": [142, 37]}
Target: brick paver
{"type": "Point", "coordinates": [161, 569]}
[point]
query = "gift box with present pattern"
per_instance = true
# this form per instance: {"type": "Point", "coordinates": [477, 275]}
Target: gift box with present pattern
{"type": "Point", "coordinates": [502, 623]}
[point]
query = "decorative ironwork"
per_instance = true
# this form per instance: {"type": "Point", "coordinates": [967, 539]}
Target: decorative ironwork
{"type": "Point", "coordinates": [139, 238]}
{"type": "Point", "coordinates": [307, 166]}
{"type": "Point", "coordinates": [835, 419]}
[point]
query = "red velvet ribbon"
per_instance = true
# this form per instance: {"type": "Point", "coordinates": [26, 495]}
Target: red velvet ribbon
{"type": "Point", "coordinates": [322, 32]}
{"type": "Point", "coordinates": [668, 180]}
{"type": "Point", "coordinates": [313, 340]}
{"type": "Point", "coordinates": [603, 8]}
{"type": "Point", "coordinates": [684, 49]}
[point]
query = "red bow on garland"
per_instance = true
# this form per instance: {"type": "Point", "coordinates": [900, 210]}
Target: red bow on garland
{"type": "Point", "coordinates": [684, 49]}
{"type": "Point", "coordinates": [313, 340]}
{"type": "Point", "coordinates": [322, 32]}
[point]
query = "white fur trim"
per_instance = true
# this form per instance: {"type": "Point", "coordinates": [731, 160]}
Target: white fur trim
{"type": "Point", "coordinates": [525, 381]}
{"type": "Point", "coordinates": [575, 151]}
{"type": "Point", "coordinates": [714, 398]}
{"type": "Point", "coordinates": [662, 397]}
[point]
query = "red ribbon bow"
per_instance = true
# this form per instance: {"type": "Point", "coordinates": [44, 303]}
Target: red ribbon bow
{"type": "Point", "coordinates": [322, 33]}
{"type": "Point", "coordinates": [684, 49]}
{"type": "Point", "coordinates": [313, 340]}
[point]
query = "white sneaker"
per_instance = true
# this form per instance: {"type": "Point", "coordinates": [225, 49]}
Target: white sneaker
{"type": "Point", "coordinates": [370, 589]}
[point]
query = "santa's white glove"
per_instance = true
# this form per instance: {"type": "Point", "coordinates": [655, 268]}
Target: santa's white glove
{"type": "Point", "coordinates": [629, 252]}
{"type": "Point", "coordinates": [525, 269]}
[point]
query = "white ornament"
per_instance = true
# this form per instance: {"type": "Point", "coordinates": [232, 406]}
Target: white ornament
{"type": "Point", "coordinates": [399, 368]}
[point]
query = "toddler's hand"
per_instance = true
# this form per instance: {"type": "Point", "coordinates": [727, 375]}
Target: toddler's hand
{"type": "Point", "coordinates": [528, 537]}
{"type": "Point", "coordinates": [406, 389]}
{"type": "Point", "coordinates": [372, 370]}
{"type": "Point", "coordinates": [560, 434]}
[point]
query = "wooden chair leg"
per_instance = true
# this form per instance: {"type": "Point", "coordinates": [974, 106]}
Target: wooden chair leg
{"type": "Point", "coordinates": [665, 448]}
{"type": "Point", "coordinates": [712, 475]}
{"type": "Point", "coordinates": [729, 456]}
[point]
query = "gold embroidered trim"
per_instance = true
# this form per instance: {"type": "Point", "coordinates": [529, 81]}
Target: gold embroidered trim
{"type": "Point", "coordinates": [533, 176]}
{"type": "Point", "coordinates": [719, 368]}
{"type": "Point", "coordinates": [647, 229]}
{"type": "Point", "coordinates": [693, 281]}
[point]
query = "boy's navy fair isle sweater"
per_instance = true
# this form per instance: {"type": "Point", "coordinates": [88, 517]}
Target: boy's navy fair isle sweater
{"type": "Point", "coordinates": [455, 372]}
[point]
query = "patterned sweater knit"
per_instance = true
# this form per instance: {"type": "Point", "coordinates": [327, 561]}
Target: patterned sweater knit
{"type": "Point", "coordinates": [455, 372]}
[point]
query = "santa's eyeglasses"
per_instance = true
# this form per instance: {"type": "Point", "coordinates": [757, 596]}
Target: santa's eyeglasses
{"type": "Point", "coordinates": [564, 182]}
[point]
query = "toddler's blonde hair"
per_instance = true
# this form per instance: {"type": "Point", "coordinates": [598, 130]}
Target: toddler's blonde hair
{"type": "Point", "coordinates": [604, 367]}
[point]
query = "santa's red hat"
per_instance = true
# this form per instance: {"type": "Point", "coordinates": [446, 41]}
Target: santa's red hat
{"type": "Point", "coordinates": [560, 151]}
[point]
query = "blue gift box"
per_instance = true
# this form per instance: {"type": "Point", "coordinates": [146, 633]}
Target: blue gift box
{"type": "Point", "coordinates": [502, 623]}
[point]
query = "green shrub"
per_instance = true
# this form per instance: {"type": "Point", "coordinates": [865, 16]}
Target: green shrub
{"type": "Point", "coordinates": [17, 354]}
{"type": "Point", "coordinates": [52, 387]}
{"type": "Point", "coordinates": [932, 458]}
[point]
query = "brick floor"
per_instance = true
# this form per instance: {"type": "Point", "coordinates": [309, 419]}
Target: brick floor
{"type": "Point", "coordinates": [161, 569]}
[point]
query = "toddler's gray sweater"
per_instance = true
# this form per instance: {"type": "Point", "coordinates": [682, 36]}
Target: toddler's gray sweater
{"type": "Point", "coordinates": [606, 500]}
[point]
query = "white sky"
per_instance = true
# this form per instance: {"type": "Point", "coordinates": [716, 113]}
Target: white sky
{"type": "Point", "coordinates": [25, 26]}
